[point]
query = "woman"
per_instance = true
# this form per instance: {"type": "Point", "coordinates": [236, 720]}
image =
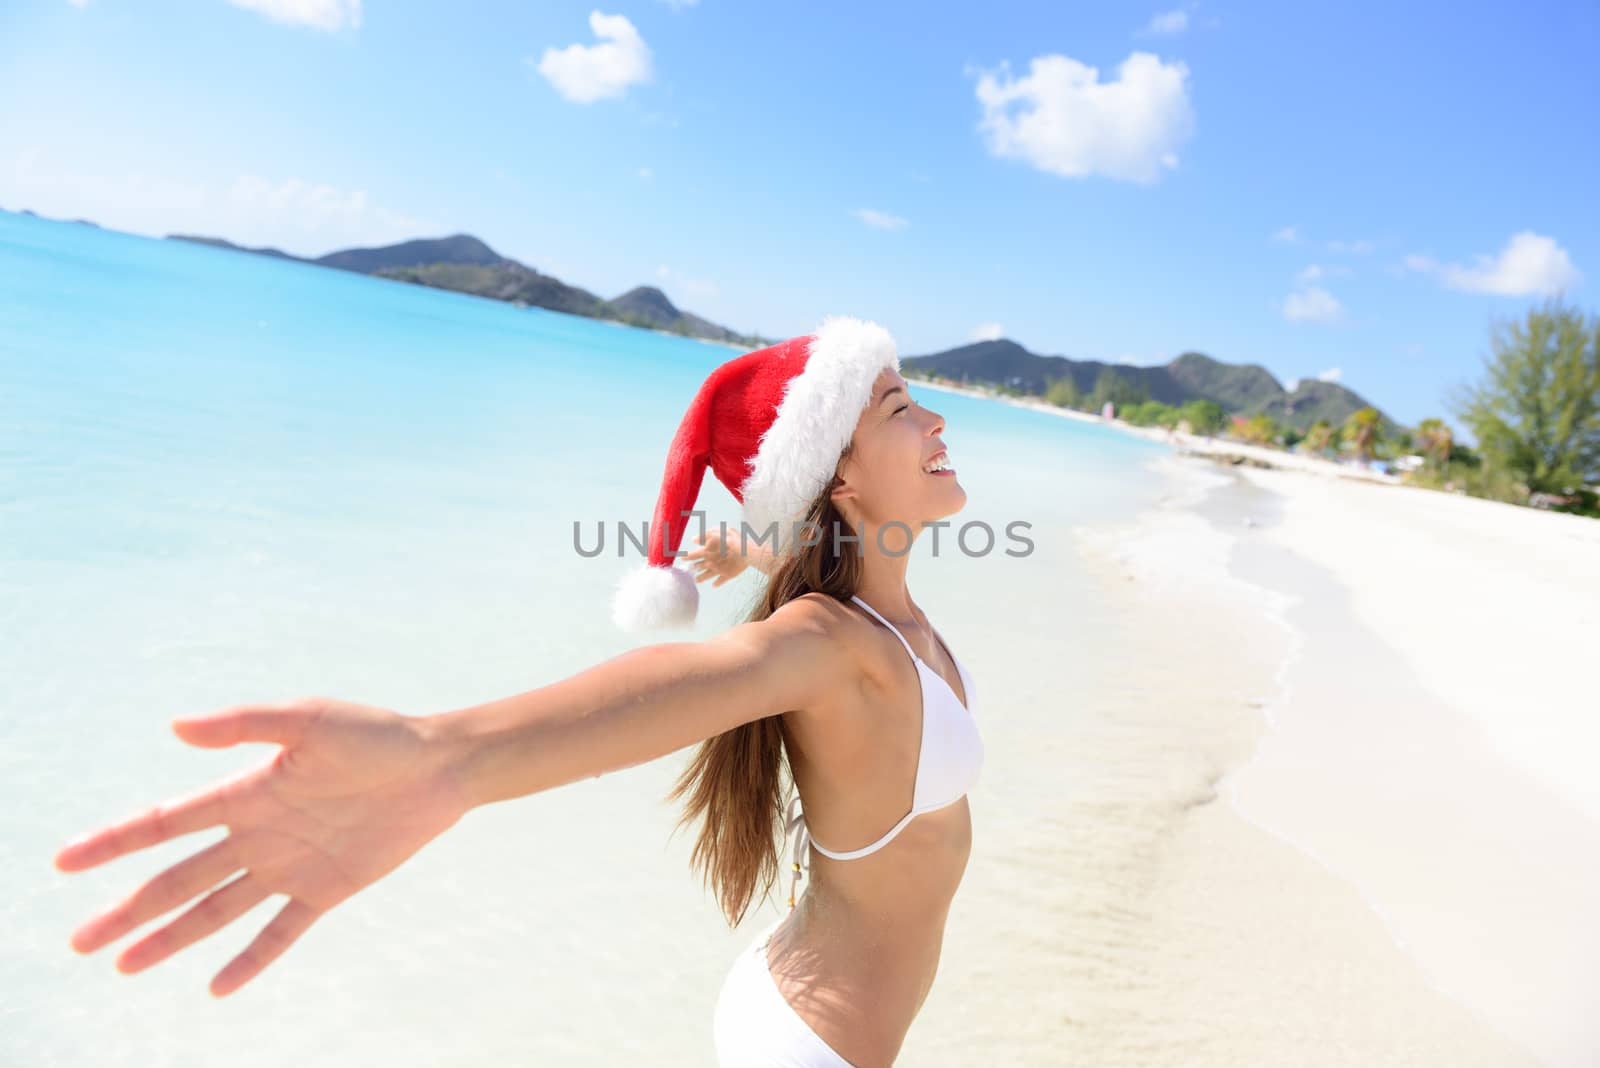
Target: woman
{"type": "Point", "coordinates": [837, 673]}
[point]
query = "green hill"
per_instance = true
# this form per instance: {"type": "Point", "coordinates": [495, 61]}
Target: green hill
{"type": "Point", "coordinates": [464, 264]}
{"type": "Point", "coordinates": [1241, 389]}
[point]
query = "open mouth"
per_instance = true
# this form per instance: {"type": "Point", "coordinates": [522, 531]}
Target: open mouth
{"type": "Point", "coordinates": [939, 465]}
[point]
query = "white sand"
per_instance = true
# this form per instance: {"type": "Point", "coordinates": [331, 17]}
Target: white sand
{"type": "Point", "coordinates": [1437, 744]}
{"type": "Point", "coordinates": [1394, 688]}
{"type": "Point", "coordinates": [1408, 869]}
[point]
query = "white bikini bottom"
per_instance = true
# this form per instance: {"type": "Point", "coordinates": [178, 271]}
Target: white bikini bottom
{"type": "Point", "coordinates": [754, 1027]}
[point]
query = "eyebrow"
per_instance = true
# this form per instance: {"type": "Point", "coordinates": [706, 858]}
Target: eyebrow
{"type": "Point", "coordinates": [887, 392]}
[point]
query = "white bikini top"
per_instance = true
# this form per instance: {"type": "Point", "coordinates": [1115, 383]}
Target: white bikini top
{"type": "Point", "coordinates": [948, 759]}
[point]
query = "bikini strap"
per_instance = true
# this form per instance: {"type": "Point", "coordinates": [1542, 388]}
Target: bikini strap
{"type": "Point", "coordinates": [891, 626]}
{"type": "Point", "coordinates": [794, 829]}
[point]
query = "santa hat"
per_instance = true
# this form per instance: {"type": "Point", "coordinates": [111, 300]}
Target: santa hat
{"type": "Point", "coordinates": [771, 424]}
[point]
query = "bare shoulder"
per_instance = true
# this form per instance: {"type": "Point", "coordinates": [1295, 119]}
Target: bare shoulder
{"type": "Point", "coordinates": [809, 648]}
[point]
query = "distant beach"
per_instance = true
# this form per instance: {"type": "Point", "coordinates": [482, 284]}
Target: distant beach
{"type": "Point", "coordinates": [1196, 443]}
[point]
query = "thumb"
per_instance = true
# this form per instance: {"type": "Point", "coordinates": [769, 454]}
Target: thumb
{"type": "Point", "coordinates": [284, 723]}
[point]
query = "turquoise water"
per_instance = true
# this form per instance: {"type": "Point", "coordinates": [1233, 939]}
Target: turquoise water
{"type": "Point", "coordinates": [227, 478]}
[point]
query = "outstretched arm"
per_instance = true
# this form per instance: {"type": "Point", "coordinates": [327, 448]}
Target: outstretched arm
{"type": "Point", "coordinates": [353, 791]}
{"type": "Point", "coordinates": [638, 706]}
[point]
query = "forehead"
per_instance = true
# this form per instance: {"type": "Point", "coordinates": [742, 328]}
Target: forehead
{"type": "Point", "coordinates": [887, 379]}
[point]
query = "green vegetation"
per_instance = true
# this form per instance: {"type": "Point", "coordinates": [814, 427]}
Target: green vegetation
{"type": "Point", "coordinates": [1361, 432]}
{"type": "Point", "coordinates": [1063, 393]}
{"type": "Point", "coordinates": [1120, 391]}
{"type": "Point", "coordinates": [1152, 413]}
{"type": "Point", "coordinates": [1535, 414]}
{"type": "Point", "coordinates": [1203, 416]}
{"type": "Point", "coordinates": [1319, 439]}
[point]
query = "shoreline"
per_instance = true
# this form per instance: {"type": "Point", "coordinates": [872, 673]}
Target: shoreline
{"type": "Point", "coordinates": [1470, 819]}
{"type": "Point", "coordinates": [1242, 947]}
{"type": "Point", "coordinates": [1216, 448]}
{"type": "Point", "coordinates": [1465, 856]}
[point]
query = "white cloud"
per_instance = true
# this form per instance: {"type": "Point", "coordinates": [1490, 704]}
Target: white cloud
{"type": "Point", "coordinates": [1289, 234]}
{"type": "Point", "coordinates": [1312, 305]}
{"type": "Point", "coordinates": [1358, 248]}
{"type": "Point", "coordinates": [1529, 264]}
{"type": "Point", "coordinates": [1168, 22]}
{"type": "Point", "coordinates": [586, 73]}
{"type": "Point", "coordinates": [1315, 271]}
{"type": "Point", "coordinates": [1062, 119]}
{"type": "Point", "coordinates": [302, 217]}
{"type": "Point", "coordinates": [318, 208]}
{"type": "Point", "coordinates": [318, 14]}
{"type": "Point", "coordinates": [687, 288]}
{"type": "Point", "coordinates": [879, 220]}
{"type": "Point", "coordinates": [646, 174]}
{"type": "Point", "coordinates": [986, 332]}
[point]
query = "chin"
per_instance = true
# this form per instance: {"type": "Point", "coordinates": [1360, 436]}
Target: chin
{"type": "Point", "coordinates": [950, 501]}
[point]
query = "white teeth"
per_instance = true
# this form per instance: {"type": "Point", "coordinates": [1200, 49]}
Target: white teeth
{"type": "Point", "coordinates": [941, 464]}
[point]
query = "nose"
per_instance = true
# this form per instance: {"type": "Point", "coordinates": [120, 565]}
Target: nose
{"type": "Point", "coordinates": [935, 421]}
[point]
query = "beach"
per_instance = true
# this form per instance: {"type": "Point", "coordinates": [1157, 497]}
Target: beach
{"type": "Point", "coordinates": [1280, 768]}
{"type": "Point", "coordinates": [1401, 859]}
{"type": "Point", "coordinates": [1347, 813]}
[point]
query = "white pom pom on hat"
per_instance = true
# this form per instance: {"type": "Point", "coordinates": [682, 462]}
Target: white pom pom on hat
{"type": "Point", "coordinates": [771, 424]}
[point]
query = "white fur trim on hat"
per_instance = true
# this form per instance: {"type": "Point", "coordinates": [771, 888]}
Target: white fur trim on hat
{"type": "Point", "coordinates": [800, 450]}
{"type": "Point", "coordinates": [652, 597]}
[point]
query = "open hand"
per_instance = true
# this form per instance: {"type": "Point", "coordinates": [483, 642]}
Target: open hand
{"type": "Point", "coordinates": [719, 558]}
{"type": "Point", "coordinates": [350, 795]}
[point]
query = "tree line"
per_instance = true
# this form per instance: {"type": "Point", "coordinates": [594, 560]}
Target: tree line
{"type": "Point", "coordinates": [1534, 413]}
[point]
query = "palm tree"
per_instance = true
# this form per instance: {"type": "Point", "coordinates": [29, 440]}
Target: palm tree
{"type": "Point", "coordinates": [1436, 441]}
{"type": "Point", "coordinates": [1361, 430]}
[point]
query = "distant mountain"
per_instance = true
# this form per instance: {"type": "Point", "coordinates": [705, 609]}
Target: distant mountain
{"type": "Point", "coordinates": [217, 242]}
{"type": "Point", "coordinates": [464, 264]}
{"type": "Point", "coordinates": [648, 306]}
{"type": "Point", "coordinates": [455, 249]}
{"type": "Point", "coordinates": [1241, 389]}
{"type": "Point", "coordinates": [506, 280]}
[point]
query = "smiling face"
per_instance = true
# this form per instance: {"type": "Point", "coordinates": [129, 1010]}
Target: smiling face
{"type": "Point", "coordinates": [897, 467]}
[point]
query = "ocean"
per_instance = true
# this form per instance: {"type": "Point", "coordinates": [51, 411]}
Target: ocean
{"type": "Point", "coordinates": [228, 478]}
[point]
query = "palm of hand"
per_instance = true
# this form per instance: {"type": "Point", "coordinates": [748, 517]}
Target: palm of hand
{"type": "Point", "coordinates": [353, 792]}
{"type": "Point", "coordinates": [717, 557]}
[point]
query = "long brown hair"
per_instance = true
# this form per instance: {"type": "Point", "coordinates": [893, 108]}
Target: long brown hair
{"type": "Point", "coordinates": [734, 781]}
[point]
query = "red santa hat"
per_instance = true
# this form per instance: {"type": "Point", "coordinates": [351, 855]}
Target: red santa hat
{"type": "Point", "coordinates": [771, 425]}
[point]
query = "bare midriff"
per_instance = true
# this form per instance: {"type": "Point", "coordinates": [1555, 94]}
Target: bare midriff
{"type": "Point", "coordinates": [857, 955]}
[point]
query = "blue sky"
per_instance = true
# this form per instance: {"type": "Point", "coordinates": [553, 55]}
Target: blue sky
{"type": "Point", "coordinates": [1354, 190]}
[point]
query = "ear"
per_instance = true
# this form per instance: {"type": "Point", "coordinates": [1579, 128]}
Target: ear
{"type": "Point", "coordinates": [843, 489]}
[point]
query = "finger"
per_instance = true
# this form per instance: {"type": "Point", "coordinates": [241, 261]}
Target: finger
{"type": "Point", "coordinates": [199, 810]}
{"type": "Point", "coordinates": [285, 723]}
{"type": "Point", "coordinates": [165, 892]}
{"type": "Point", "coordinates": [214, 911]}
{"type": "Point", "coordinates": [288, 925]}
